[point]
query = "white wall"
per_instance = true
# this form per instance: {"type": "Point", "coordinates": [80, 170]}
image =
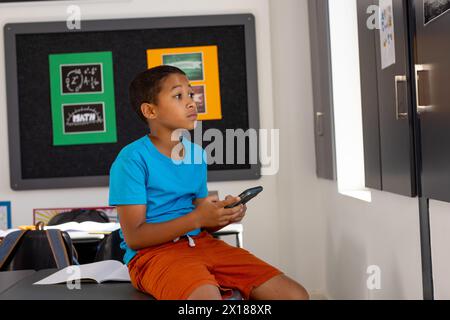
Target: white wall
{"type": "Point", "coordinates": [301, 220]}
{"type": "Point", "coordinates": [348, 139]}
{"type": "Point", "coordinates": [384, 233]}
{"type": "Point", "coordinates": [346, 235]}
{"type": "Point", "coordinates": [440, 240]}
{"type": "Point", "coordinates": [261, 225]}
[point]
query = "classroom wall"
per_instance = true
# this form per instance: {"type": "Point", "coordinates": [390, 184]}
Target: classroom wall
{"type": "Point", "coordinates": [440, 239]}
{"type": "Point", "coordinates": [353, 234]}
{"type": "Point", "coordinates": [261, 234]}
{"type": "Point", "coordinates": [300, 223]}
{"type": "Point", "coordinates": [384, 233]}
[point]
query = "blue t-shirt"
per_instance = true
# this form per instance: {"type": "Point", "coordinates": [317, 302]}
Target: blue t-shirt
{"type": "Point", "coordinates": [142, 175]}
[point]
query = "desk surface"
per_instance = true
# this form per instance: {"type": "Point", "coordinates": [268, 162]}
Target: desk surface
{"type": "Point", "coordinates": [25, 290]}
{"type": "Point", "coordinates": [9, 278]}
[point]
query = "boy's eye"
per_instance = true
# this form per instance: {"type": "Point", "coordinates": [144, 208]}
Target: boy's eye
{"type": "Point", "coordinates": [178, 96]}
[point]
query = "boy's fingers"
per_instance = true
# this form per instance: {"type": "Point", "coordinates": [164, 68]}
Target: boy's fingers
{"type": "Point", "coordinates": [237, 216]}
{"type": "Point", "coordinates": [228, 201]}
{"type": "Point", "coordinates": [233, 211]}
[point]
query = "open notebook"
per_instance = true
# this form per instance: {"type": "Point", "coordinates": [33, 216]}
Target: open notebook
{"type": "Point", "coordinates": [102, 271]}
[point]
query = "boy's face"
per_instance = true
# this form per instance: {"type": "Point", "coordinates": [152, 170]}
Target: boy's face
{"type": "Point", "coordinates": [176, 108]}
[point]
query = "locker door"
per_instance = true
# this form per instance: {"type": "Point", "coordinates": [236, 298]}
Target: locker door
{"type": "Point", "coordinates": [433, 94]}
{"type": "Point", "coordinates": [396, 138]}
{"type": "Point", "coordinates": [387, 84]}
{"type": "Point", "coordinates": [322, 88]}
{"type": "Point", "coordinates": [369, 98]}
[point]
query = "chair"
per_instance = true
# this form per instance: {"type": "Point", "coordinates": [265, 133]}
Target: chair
{"type": "Point", "coordinates": [109, 248]}
{"type": "Point", "coordinates": [235, 229]}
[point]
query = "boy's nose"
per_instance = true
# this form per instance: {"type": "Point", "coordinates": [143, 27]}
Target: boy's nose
{"type": "Point", "coordinates": [191, 104]}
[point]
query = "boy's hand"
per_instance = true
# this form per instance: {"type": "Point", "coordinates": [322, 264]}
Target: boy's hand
{"type": "Point", "coordinates": [240, 215]}
{"type": "Point", "coordinates": [211, 212]}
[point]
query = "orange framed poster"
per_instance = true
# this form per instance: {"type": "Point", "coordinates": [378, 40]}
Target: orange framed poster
{"type": "Point", "coordinates": [201, 65]}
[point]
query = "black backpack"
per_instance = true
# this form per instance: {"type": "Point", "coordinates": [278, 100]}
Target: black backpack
{"type": "Point", "coordinates": [36, 250]}
{"type": "Point", "coordinates": [86, 250]}
{"type": "Point", "coordinates": [79, 215]}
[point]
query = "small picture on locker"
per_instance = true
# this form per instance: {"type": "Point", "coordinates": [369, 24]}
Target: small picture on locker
{"type": "Point", "coordinates": [433, 9]}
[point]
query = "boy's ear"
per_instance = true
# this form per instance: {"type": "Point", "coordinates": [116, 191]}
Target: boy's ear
{"type": "Point", "coordinates": [149, 110]}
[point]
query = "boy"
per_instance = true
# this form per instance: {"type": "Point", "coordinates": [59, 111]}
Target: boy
{"type": "Point", "coordinates": [159, 188]}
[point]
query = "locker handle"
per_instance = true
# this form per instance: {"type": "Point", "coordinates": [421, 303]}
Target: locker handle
{"type": "Point", "coordinates": [399, 115]}
{"type": "Point", "coordinates": [423, 97]}
{"type": "Point", "coordinates": [319, 123]}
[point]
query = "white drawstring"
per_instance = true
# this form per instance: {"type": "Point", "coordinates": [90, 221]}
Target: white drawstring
{"type": "Point", "coordinates": [190, 240]}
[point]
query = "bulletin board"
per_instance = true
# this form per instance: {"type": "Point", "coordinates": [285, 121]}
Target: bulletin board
{"type": "Point", "coordinates": [45, 62]}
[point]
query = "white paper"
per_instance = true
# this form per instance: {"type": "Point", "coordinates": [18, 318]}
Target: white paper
{"type": "Point", "coordinates": [108, 270]}
{"type": "Point", "coordinates": [387, 34]}
{"type": "Point", "coordinates": [77, 235]}
{"type": "Point", "coordinates": [86, 226]}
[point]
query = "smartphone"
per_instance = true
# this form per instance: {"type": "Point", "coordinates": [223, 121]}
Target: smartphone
{"type": "Point", "coordinates": [246, 196]}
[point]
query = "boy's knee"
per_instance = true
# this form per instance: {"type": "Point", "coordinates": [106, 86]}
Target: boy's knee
{"type": "Point", "coordinates": [300, 293]}
{"type": "Point", "coordinates": [293, 290]}
{"type": "Point", "coordinates": [205, 292]}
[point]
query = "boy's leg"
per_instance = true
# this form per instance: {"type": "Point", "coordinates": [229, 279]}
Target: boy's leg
{"type": "Point", "coordinates": [206, 292]}
{"type": "Point", "coordinates": [174, 271]}
{"type": "Point", "coordinates": [279, 287]}
{"type": "Point", "coordinates": [239, 269]}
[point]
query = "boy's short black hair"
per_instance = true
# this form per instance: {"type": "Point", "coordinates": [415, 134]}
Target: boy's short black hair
{"type": "Point", "coordinates": [147, 85]}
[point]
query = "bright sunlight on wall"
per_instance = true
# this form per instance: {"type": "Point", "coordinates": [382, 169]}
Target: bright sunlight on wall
{"type": "Point", "coordinates": [347, 99]}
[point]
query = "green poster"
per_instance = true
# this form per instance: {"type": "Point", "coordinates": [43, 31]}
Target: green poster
{"type": "Point", "coordinates": [190, 63]}
{"type": "Point", "coordinates": [82, 98]}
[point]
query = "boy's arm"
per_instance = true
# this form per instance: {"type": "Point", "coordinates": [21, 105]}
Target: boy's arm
{"type": "Point", "coordinates": [138, 234]}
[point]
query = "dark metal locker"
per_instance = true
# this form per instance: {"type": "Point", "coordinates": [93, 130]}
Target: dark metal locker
{"type": "Point", "coordinates": [432, 48]}
{"type": "Point", "coordinates": [322, 88]}
{"type": "Point", "coordinates": [396, 137]}
{"type": "Point", "coordinates": [392, 91]}
{"type": "Point", "coordinates": [369, 98]}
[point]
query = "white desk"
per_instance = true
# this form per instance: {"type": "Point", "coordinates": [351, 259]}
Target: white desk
{"type": "Point", "coordinates": [81, 236]}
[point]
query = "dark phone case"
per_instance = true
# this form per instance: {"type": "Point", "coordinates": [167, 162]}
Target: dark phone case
{"type": "Point", "coordinates": [246, 196]}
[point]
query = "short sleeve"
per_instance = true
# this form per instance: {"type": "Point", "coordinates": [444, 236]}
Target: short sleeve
{"type": "Point", "coordinates": [203, 191]}
{"type": "Point", "coordinates": [127, 182]}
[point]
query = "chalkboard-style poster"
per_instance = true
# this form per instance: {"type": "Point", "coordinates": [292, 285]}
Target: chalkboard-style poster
{"type": "Point", "coordinates": [82, 98]}
{"type": "Point", "coordinates": [201, 65]}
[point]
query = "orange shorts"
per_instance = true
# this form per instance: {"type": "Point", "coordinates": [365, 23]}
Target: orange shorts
{"type": "Point", "coordinates": [172, 271]}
